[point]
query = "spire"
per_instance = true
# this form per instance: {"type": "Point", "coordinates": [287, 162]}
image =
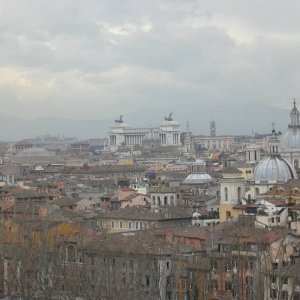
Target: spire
{"type": "Point", "coordinates": [273, 128]}
{"type": "Point", "coordinates": [294, 115]}
{"type": "Point", "coordinates": [187, 126]}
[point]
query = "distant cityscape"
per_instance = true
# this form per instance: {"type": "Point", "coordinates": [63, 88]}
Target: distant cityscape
{"type": "Point", "coordinates": [152, 213]}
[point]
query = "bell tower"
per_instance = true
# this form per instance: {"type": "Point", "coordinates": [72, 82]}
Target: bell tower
{"type": "Point", "coordinates": [274, 142]}
{"type": "Point", "coordinates": [212, 129]}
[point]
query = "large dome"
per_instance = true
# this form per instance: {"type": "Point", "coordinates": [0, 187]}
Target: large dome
{"type": "Point", "coordinates": [274, 169]}
{"type": "Point", "coordinates": [35, 156]}
{"type": "Point", "coordinates": [34, 152]}
{"type": "Point", "coordinates": [198, 178]}
{"type": "Point", "coordinates": [290, 140]}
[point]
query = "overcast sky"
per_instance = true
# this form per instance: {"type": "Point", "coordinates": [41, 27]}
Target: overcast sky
{"type": "Point", "coordinates": [93, 59]}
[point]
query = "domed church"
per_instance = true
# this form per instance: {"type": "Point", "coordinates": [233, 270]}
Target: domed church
{"type": "Point", "coordinates": [273, 169]}
{"type": "Point", "coordinates": [290, 140]}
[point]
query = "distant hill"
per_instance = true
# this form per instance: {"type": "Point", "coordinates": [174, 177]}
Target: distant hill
{"type": "Point", "coordinates": [240, 119]}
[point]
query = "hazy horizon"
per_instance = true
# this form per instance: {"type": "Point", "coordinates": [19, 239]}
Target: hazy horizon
{"type": "Point", "coordinates": [242, 123]}
{"type": "Point", "coordinates": [202, 60]}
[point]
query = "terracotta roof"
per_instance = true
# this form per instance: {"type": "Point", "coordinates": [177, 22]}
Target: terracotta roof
{"type": "Point", "coordinates": [135, 243]}
{"type": "Point", "coordinates": [231, 170]}
{"type": "Point", "coordinates": [144, 213]}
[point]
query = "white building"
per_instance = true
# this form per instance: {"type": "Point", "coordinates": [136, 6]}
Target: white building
{"type": "Point", "coordinates": [122, 135]}
{"type": "Point", "coordinates": [217, 143]}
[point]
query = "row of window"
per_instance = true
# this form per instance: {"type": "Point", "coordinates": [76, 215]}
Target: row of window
{"type": "Point", "coordinates": [284, 295]}
{"type": "Point", "coordinates": [239, 193]}
{"type": "Point", "coordinates": [122, 225]}
{"type": "Point", "coordinates": [228, 266]}
{"type": "Point", "coordinates": [165, 201]}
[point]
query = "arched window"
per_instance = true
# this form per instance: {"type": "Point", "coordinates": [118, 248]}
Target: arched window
{"type": "Point", "coordinates": [153, 201]}
{"type": "Point", "coordinates": [239, 194]}
{"type": "Point", "coordinates": [158, 200]}
{"type": "Point", "coordinates": [256, 191]}
{"type": "Point", "coordinates": [226, 194]}
{"type": "Point", "coordinates": [228, 215]}
{"type": "Point", "coordinates": [172, 200]}
{"type": "Point", "coordinates": [165, 200]}
{"type": "Point", "coordinates": [71, 253]}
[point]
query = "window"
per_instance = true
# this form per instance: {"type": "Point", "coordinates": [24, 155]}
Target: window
{"type": "Point", "coordinates": [284, 280]}
{"type": "Point", "coordinates": [284, 295]}
{"type": "Point", "coordinates": [121, 224]}
{"type": "Point", "coordinates": [273, 294]}
{"type": "Point", "coordinates": [71, 253]}
{"type": "Point", "coordinates": [136, 225]}
{"type": "Point", "coordinates": [112, 224]}
{"type": "Point", "coordinates": [153, 200]}
{"type": "Point", "coordinates": [249, 280]}
{"type": "Point", "coordinates": [226, 194]}
{"type": "Point", "coordinates": [252, 247]}
{"type": "Point", "coordinates": [131, 265]}
{"type": "Point", "coordinates": [296, 296]}
{"type": "Point", "coordinates": [284, 263]}
{"type": "Point", "coordinates": [233, 292]}
{"type": "Point", "coordinates": [228, 286]}
{"type": "Point", "coordinates": [228, 215]}
{"type": "Point", "coordinates": [129, 225]}
{"type": "Point", "coordinates": [273, 279]}
{"type": "Point", "coordinates": [257, 191]}
{"type": "Point", "coordinates": [275, 265]}
{"type": "Point", "coordinates": [183, 284]}
{"type": "Point", "coordinates": [235, 264]}
{"type": "Point", "coordinates": [165, 200]}
{"type": "Point", "coordinates": [168, 265]}
{"type": "Point", "coordinates": [172, 200]}
{"type": "Point", "coordinates": [214, 264]}
{"type": "Point", "coordinates": [214, 285]}
{"type": "Point", "coordinates": [239, 194]}
{"type": "Point", "coordinates": [228, 266]}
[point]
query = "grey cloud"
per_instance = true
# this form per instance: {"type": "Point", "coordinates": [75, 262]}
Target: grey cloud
{"type": "Point", "coordinates": [94, 59]}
